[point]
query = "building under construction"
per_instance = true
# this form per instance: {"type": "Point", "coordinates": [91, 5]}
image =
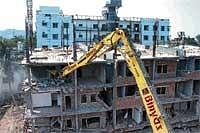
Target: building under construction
{"type": "Point", "coordinates": [85, 100]}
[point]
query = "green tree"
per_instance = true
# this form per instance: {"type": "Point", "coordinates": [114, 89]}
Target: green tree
{"type": "Point", "coordinates": [190, 41]}
{"type": "Point", "coordinates": [198, 38]}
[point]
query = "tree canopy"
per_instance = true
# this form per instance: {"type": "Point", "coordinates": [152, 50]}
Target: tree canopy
{"type": "Point", "coordinates": [198, 38]}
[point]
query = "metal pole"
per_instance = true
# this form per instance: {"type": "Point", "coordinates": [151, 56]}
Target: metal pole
{"type": "Point", "coordinates": [114, 88]}
{"type": "Point", "coordinates": [75, 78]}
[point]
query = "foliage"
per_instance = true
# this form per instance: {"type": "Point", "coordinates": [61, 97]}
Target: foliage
{"type": "Point", "coordinates": [198, 38]}
{"type": "Point", "coordinates": [190, 41]}
{"type": "Point", "coordinates": [11, 42]}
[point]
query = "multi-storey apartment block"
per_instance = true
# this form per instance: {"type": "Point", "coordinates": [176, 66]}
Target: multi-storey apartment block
{"type": "Point", "coordinates": [85, 100]}
{"type": "Point", "coordinates": [54, 29]}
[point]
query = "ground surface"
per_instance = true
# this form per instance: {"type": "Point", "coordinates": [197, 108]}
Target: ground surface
{"type": "Point", "coordinates": [13, 120]}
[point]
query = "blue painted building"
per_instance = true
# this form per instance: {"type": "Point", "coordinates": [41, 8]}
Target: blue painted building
{"type": "Point", "coordinates": [147, 30]}
{"type": "Point", "coordinates": [52, 27]}
{"type": "Point", "coordinates": [55, 29]}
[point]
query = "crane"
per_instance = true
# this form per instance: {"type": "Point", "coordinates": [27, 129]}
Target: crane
{"type": "Point", "coordinates": [110, 42]}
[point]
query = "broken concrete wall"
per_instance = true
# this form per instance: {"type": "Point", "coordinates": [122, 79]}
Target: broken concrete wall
{"type": "Point", "coordinates": [93, 71]}
{"type": "Point", "coordinates": [13, 73]}
{"type": "Point", "coordinates": [93, 120]}
{"type": "Point", "coordinates": [196, 87]}
{"type": "Point", "coordinates": [41, 100]}
{"type": "Point", "coordinates": [121, 68]}
{"type": "Point", "coordinates": [69, 102]}
{"type": "Point", "coordinates": [184, 88]}
{"type": "Point", "coordinates": [189, 106]}
{"type": "Point", "coordinates": [170, 88]}
{"type": "Point", "coordinates": [40, 72]}
{"type": "Point", "coordinates": [137, 114]}
{"type": "Point", "coordinates": [165, 69]}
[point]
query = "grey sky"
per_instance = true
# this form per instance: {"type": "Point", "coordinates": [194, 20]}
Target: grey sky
{"type": "Point", "coordinates": [183, 14]}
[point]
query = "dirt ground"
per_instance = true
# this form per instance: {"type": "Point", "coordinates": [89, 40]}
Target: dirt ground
{"type": "Point", "coordinates": [13, 120]}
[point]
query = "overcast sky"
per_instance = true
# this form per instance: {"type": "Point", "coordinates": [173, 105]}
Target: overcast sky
{"type": "Point", "coordinates": [183, 14]}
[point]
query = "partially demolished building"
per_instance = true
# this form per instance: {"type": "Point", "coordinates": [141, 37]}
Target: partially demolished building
{"type": "Point", "coordinates": [89, 101]}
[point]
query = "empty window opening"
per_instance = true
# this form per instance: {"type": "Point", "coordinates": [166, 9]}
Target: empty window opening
{"type": "Point", "coordinates": [120, 91]}
{"type": "Point", "coordinates": [54, 99]}
{"type": "Point", "coordinates": [128, 72]}
{"type": "Point", "coordinates": [136, 38]}
{"type": "Point", "coordinates": [123, 115]}
{"type": "Point", "coordinates": [44, 35]}
{"type": "Point", "coordinates": [95, 37]}
{"type": "Point", "coordinates": [120, 69]}
{"type": "Point", "coordinates": [182, 65]}
{"type": "Point", "coordinates": [95, 26]}
{"type": "Point", "coordinates": [137, 93]}
{"type": "Point", "coordinates": [147, 69]}
{"type": "Point", "coordinates": [80, 36]}
{"type": "Point", "coordinates": [93, 122]}
{"type": "Point", "coordinates": [109, 73]}
{"type": "Point", "coordinates": [161, 90]}
{"type": "Point", "coordinates": [188, 105]}
{"type": "Point", "coordinates": [47, 15]}
{"type": "Point", "coordinates": [44, 46]}
{"type": "Point", "coordinates": [168, 39]}
{"type": "Point", "coordinates": [55, 25]}
{"type": "Point", "coordinates": [146, 27]}
{"type": "Point", "coordinates": [66, 36]}
{"type": "Point", "coordinates": [66, 25]}
{"type": "Point", "coordinates": [121, 26]}
{"type": "Point", "coordinates": [55, 122]}
{"type": "Point", "coordinates": [93, 98]}
{"type": "Point", "coordinates": [69, 123]}
{"type": "Point", "coordinates": [136, 27]}
{"type": "Point", "coordinates": [144, 116]}
{"type": "Point", "coordinates": [168, 28]}
{"type": "Point", "coordinates": [80, 25]}
{"type": "Point", "coordinates": [162, 68]}
{"type": "Point", "coordinates": [55, 46]}
{"type": "Point", "coordinates": [83, 99]}
{"type": "Point", "coordinates": [84, 123]}
{"type": "Point", "coordinates": [79, 73]}
{"type": "Point", "coordinates": [68, 102]}
{"type": "Point", "coordinates": [106, 96]}
{"type": "Point", "coordinates": [146, 37]}
{"type": "Point", "coordinates": [162, 28]}
{"type": "Point", "coordinates": [44, 23]}
{"type": "Point", "coordinates": [197, 64]}
{"type": "Point", "coordinates": [130, 90]}
{"type": "Point", "coordinates": [128, 26]}
{"type": "Point", "coordinates": [55, 36]}
{"type": "Point", "coordinates": [162, 38]}
{"type": "Point", "coordinates": [196, 87]}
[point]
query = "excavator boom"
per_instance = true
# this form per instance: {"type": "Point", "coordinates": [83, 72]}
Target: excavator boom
{"type": "Point", "coordinates": [156, 119]}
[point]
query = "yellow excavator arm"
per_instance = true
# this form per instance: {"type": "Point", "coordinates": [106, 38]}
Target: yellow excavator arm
{"type": "Point", "coordinates": [156, 119]}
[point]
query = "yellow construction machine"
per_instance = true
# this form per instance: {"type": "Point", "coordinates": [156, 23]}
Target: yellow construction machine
{"type": "Point", "coordinates": [110, 42]}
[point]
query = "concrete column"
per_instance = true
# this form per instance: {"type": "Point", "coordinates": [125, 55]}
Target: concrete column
{"type": "Point", "coordinates": [75, 77]}
{"type": "Point", "coordinates": [33, 125]}
{"type": "Point", "coordinates": [137, 114]}
{"type": "Point", "coordinates": [132, 113]}
{"type": "Point", "coordinates": [114, 89]}
{"type": "Point", "coordinates": [123, 91]}
{"type": "Point", "coordinates": [124, 69]}
{"type": "Point", "coordinates": [61, 108]}
{"type": "Point", "coordinates": [198, 109]}
{"type": "Point", "coordinates": [102, 122]}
